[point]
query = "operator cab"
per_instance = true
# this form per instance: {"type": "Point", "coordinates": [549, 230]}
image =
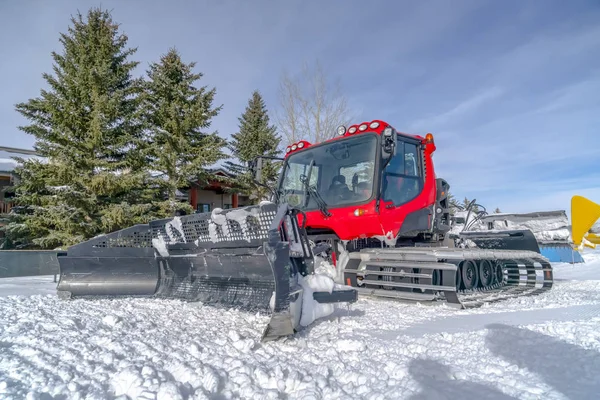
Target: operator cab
{"type": "Point", "coordinates": [348, 170]}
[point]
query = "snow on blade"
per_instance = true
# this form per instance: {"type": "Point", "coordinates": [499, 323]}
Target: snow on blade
{"type": "Point", "coordinates": [218, 219]}
{"type": "Point", "coordinates": [240, 216]}
{"type": "Point", "coordinates": [311, 310]}
{"type": "Point", "coordinates": [161, 246]}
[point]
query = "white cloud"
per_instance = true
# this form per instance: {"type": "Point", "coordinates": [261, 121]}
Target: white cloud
{"type": "Point", "coordinates": [463, 108]}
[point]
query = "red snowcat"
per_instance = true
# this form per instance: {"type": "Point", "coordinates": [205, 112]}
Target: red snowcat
{"type": "Point", "coordinates": [368, 201]}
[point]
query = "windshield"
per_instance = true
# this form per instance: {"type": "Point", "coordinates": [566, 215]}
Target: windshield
{"type": "Point", "coordinates": [342, 173]}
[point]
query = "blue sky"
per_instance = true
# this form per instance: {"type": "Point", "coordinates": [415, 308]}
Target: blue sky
{"type": "Point", "coordinates": [510, 89]}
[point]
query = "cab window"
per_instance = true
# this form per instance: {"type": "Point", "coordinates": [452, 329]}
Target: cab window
{"type": "Point", "coordinates": [403, 176]}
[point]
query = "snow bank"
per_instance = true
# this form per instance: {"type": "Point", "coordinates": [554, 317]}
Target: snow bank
{"type": "Point", "coordinates": [544, 347]}
{"type": "Point", "coordinates": [591, 256]}
{"type": "Point", "coordinates": [27, 286]}
{"type": "Point", "coordinates": [590, 270]}
{"type": "Point", "coordinates": [151, 349]}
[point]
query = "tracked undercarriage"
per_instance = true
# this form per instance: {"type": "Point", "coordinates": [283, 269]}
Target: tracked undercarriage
{"type": "Point", "coordinates": [464, 278]}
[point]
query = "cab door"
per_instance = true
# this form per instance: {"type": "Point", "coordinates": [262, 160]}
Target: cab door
{"type": "Point", "coordinates": [403, 207]}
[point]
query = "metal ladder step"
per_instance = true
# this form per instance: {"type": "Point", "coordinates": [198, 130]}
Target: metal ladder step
{"type": "Point", "coordinates": [396, 294]}
{"type": "Point", "coordinates": [413, 264]}
{"type": "Point", "coordinates": [389, 273]}
{"type": "Point", "coordinates": [409, 285]}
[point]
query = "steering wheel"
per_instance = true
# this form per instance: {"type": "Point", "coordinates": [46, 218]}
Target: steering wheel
{"type": "Point", "coordinates": [344, 194]}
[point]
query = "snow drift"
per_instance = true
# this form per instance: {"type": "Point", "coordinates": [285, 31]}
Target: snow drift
{"type": "Point", "coordinates": [545, 347]}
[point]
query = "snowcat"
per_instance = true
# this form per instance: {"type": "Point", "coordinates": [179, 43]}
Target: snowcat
{"type": "Point", "coordinates": [367, 200]}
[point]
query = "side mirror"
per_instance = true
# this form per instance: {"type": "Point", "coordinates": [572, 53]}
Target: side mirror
{"type": "Point", "coordinates": [388, 142]}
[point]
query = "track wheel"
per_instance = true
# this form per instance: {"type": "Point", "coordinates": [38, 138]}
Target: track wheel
{"type": "Point", "coordinates": [470, 274]}
{"type": "Point", "coordinates": [458, 279]}
{"type": "Point", "coordinates": [498, 275]}
{"type": "Point", "coordinates": [486, 273]}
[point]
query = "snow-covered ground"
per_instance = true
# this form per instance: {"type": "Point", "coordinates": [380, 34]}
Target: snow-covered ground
{"type": "Point", "coordinates": [544, 347]}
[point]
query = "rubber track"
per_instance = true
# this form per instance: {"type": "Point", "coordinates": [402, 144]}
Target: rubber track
{"type": "Point", "coordinates": [525, 273]}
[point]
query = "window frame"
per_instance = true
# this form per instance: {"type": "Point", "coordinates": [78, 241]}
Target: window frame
{"type": "Point", "coordinates": [199, 208]}
{"type": "Point", "coordinates": [376, 174]}
{"type": "Point", "coordinates": [420, 177]}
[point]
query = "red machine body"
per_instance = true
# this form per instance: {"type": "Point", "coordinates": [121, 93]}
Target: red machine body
{"type": "Point", "coordinates": [378, 216]}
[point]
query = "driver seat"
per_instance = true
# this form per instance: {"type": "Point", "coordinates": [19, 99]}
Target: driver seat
{"type": "Point", "coordinates": [338, 188]}
{"type": "Point", "coordinates": [337, 182]}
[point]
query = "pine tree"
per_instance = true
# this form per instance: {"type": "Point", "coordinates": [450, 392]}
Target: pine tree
{"type": "Point", "coordinates": [256, 137]}
{"type": "Point", "coordinates": [475, 207]}
{"type": "Point", "coordinates": [466, 202]}
{"type": "Point", "coordinates": [453, 204]}
{"type": "Point", "coordinates": [176, 114]}
{"type": "Point", "coordinates": [92, 179]}
{"type": "Point", "coordinates": [16, 233]}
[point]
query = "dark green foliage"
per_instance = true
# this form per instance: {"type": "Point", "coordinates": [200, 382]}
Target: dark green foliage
{"type": "Point", "coordinates": [15, 231]}
{"type": "Point", "coordinates": [88, 131]}
{"type": "Point", "coordinates": [475, 207]}
{"type": "Point", "coordinates": [177, 114]}
{"type": "Point", "coordinates": [256, 137]}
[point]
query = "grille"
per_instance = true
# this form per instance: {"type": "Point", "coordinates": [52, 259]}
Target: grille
{"type": "Point", "coordinates": [247, 224]}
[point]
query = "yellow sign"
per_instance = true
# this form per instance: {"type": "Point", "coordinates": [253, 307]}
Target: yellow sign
{"type": "Point", "coordinates": [584, 213]}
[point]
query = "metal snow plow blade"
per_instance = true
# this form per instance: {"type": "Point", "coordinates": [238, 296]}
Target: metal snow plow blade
{"type": "Point", "coordinates": [248, 258]}
{"type": "Point", "coordinates": [522, 239]}
{"type": "Point", "coordinates": [465, 278]}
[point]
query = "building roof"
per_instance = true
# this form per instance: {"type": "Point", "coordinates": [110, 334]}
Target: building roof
{"type": "Point", "coordinates": [221, 171]}
{"type": "Point", "coordinates": [8, 163]}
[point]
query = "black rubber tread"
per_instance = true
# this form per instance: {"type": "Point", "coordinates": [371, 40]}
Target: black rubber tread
{"type": "Point", "coordinates": [523, 274]}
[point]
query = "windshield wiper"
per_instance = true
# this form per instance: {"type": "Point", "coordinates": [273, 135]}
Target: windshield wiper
{"type": "Point", "coordinates": [308, 189]}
